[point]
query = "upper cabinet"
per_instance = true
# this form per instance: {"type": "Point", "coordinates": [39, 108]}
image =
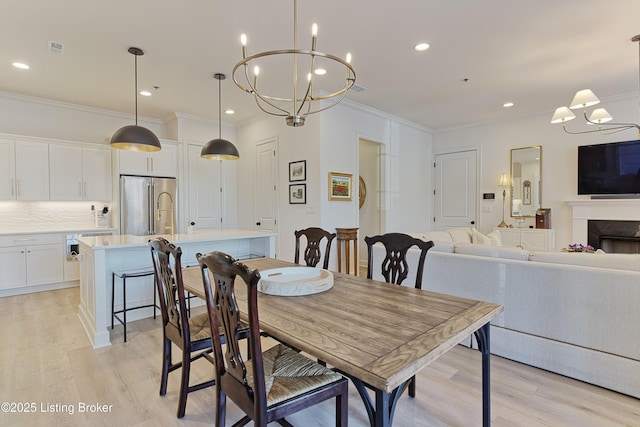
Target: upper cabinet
{"type": "Point", "coordinates": [7, 170]}
{"type": "Point", "coordinates": [25, 170]}
{"type": "Point", "coordinates": [157, 163]}
{"type": "Point", "coordinates": [79, 173]}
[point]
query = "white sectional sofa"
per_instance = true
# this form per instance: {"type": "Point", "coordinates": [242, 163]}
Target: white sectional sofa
{"type": "Point", "coordinates": [576, 314]}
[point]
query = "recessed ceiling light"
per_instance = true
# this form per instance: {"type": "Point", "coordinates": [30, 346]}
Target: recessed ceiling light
{"type": "Point", "coordinates": [21, 65]}
{"type": "Point", "coordinates": [508, 104]}
{"type": "Point", "coordinates": [421, 47]}
{"type": "Point", "coordinates": [229, 111]}
{"type": "Point", "coordinates": [145, 93]}
{"type": "Point", "coordinates": [320, 71]}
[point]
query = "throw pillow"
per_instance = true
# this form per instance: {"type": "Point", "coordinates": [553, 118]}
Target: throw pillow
{"type": "Point", "coordinates": [491, 239]}
{"type": "Point", "coordinates": [496, 240]}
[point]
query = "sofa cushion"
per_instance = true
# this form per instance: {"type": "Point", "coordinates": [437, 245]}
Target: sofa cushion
{"type": "Point", "coordinates": [629, 262]}
{"type": "Point", "coordinates": [506, 252]}
{"type": "Point", "coordinates": [442, 241]}
{"type": "Point", "coordinates": [437, 236]}
{"type": "Point", "coordinates": [441, 247]}
{"type": "Point", "coordinates": [460, 234]}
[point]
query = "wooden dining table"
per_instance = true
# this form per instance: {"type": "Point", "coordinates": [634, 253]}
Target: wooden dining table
{"type": "Point", "coordinates": [377, 334]}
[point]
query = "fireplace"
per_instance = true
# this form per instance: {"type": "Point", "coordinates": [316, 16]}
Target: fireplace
{"type": "Point", "coordinates": [614, 236]}
{"type": "Point", "coordinates": [610, 225]}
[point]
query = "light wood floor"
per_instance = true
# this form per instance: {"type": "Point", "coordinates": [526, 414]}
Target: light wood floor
{"type": "Point", "coordinates": [46, 360]}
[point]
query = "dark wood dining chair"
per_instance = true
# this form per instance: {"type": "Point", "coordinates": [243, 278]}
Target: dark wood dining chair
{"type": "Point", "coordinates": [191, 334]}
{"type": "Point", "coordinates": [394, 266]}
{"type": "Point", "coordinates": [313, 250]}
{"type": "Point", "coordinates": [274, 383]}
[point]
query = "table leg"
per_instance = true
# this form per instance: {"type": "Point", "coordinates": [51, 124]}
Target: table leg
{"type": "Point", "coordinates": [380, 414]}
{"type": "Point", "coordinates": [482, 336]}
{"type": "Point", "coordinates": [383, 411]}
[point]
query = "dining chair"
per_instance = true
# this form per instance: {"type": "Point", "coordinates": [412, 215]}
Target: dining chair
{"type": "Point", "coordinates": [394, 266]}
{"type": "Point", "coordinates": [313, 252]}
{"type": "Point", "coordinates": [274, 383]}
{"type": "Point", "coordinates": [191, 334]}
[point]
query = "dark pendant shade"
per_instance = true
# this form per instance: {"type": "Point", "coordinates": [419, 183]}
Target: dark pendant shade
{"type": "Point", "coordinates": [220, 149]}
{"type": "Point", "coordinates": [135, 138]}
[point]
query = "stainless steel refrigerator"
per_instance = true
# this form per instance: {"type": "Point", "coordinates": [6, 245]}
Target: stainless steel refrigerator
{"type": "Point", "coordinates": [147, 205]}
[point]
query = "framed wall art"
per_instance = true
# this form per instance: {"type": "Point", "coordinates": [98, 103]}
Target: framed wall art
{"type": "Point", "coordinates": [298, 171]}
{"type": "Point", "coordinates": [340, 186]}
{"type": "Point", "coordinates": [297, 194]}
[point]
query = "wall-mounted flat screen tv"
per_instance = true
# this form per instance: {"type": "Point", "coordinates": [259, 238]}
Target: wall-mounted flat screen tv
{"type": "Point", "coordinates": [612, 168]}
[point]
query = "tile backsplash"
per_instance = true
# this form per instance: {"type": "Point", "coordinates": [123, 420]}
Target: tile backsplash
{"type": "Point", "coordinates": [20, 216]}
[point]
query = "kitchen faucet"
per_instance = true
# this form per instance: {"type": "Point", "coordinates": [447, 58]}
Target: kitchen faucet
{"type": "Point", "coordinates": [170, 210]}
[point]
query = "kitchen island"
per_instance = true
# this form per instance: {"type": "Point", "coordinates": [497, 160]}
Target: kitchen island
{"type": "Point", "coordinates": [102, 255]}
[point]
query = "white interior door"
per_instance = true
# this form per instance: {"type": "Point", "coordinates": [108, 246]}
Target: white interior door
{"type": "Point", "coordinates": [456, 190]}
{"type": "Point", "coordinates": [204, 191]}
{"type": "Point", "coordinates": [266, 187]}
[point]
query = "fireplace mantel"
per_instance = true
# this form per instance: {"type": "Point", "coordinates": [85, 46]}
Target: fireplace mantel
{"type": "Point", "coordinates": [608, 209]}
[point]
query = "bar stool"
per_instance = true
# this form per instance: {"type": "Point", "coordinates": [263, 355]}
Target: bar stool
{"type": "Point", "coordinates": [124, 275]}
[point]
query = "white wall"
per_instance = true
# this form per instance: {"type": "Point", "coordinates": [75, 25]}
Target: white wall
{"type": "Point", "coordinates": [329, 143]}
{"type": "Point", "coordinates": [559, 158]}
{"type": "Point", "coordinates": [50, 119]}
{"type": "Point", "coordinates": [197, 131]}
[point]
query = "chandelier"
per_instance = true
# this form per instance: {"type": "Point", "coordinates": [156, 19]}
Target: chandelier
{"type": "Point", "coordinates": [586, 98]}
{"type": "Point", "coordinates": [297, 102]}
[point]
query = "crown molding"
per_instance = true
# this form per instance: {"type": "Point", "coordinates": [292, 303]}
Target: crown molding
{"type": "Point", "coordinates": [76, 107]}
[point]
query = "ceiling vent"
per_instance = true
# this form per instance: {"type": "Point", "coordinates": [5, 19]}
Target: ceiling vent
{"type": "Point", "coordinates": [357, 88]}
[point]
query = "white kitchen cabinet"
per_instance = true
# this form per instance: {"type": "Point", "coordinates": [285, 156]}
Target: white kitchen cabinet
{"type": "Point", "coordinates": [32, 170]}
{"type": "Point", "coordinates": [7, 170]}
{"type": "Point", "coordinates": [30, 260]}
{"type": "Point", "coordinates": [532, 239]}
{"type": "Point", "coordinates": [13, 267]}
{"type": "Point", "coordinates": [25, 170]}
{"type": "Point", "coordinates": [157, 163]}
{"type": "Point", "coordinates": [79, 173]}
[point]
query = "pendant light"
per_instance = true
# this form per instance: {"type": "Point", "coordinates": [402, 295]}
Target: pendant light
{"type": "Point", "coordinates": [219, 149]}
{"type": "Point", "coordinates": [134, 137]}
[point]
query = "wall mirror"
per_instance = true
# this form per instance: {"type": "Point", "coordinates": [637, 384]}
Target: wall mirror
{"type": "Point", "coordinates": [526, 181]}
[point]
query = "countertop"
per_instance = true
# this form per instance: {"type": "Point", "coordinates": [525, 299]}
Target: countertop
{"type": "Point", "coordinates": [130, 241]}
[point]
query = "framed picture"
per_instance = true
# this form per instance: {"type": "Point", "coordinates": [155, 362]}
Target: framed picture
{"type": "Point", "coordinates": [297, 194]}
{"type": "Point", "coordinates": [340, 187]}
{"type": "Point", "coordinates": [298, 171]}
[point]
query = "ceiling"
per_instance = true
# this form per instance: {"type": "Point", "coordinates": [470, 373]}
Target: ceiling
{"type": "Point", "coordinates": [536, 54]}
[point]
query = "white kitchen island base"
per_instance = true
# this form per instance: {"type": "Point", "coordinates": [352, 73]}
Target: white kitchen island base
{"type": "Point", "coordinates": [102, 255]}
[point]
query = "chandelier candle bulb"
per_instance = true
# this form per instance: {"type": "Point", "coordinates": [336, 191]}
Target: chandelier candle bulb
{"type": "Point", "coordinates": [314, 36]}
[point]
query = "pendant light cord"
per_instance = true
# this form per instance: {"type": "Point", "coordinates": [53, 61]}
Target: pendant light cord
{"type": "Point", "coordinates": [220, 108]}
{"type": "Point", "coordinates": [135, 67]}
